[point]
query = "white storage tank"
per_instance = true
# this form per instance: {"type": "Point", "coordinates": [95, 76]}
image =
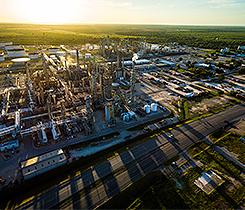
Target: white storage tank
{"type": "Point", "coordinates": [87, 55]}
{"type": "Point", "coordinates": [33, 55]}
{"type": "Point", "coordinates": [131, 114]}
{"type": "Point", "coordinates": [73, 52]}
{"type": "Point", "coordinates": [2, 57]}
{"type": "Point", "coordinates": [154, 107]}
{"type": "Point", "coordinates": [147, 109]}
{"type": "Point", "coordinates": [61, 53]}
{"type": "Point", "coordinates": [53, 50]}
{"type": "Point", "coordinates": [126, 117]}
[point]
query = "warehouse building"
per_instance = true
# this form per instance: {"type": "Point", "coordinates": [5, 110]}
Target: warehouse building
{"type": "Point", "coordinates": [40, 164]}
{"type": "Point", "coordinates": [16, 53]}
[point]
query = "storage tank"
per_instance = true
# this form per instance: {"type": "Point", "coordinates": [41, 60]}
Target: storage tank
{"type": "Point", "coordinates": [87, 55]}
{"type": "Point", "coordinates": [73, 52]}
{"type": "Point", "coordinates": [2, 58]}
{"type": "Point", "coordinates": [109, 112]}
{"type": "Point", "coordinates": [131, 114]}
{"type": "Point", "coordinates": [154, 107]}
{"type": "Point", "coordinates": [33, 55]}
{"type": "Point", "coordinates": [147, 109]}
{"type": "Point", "coordinates": [61, 53]}
{"type": "Point", "coordinates": [53, 50]}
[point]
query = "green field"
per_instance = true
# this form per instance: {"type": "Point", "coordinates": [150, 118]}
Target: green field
{"type": "Point", "coordinates": [212, 37]}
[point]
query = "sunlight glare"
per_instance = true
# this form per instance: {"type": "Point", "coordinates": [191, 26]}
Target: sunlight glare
{"type": "Point", "coordinates": [47, 11]}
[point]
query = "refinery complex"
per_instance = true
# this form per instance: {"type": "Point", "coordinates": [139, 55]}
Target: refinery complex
{"type": "Point", "coordinates": [84, 90]}
{"type": "Point", "coordinates": [60, 104]}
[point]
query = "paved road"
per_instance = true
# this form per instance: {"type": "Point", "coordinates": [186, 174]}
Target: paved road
{"type": "Point", "coordinates": [140, 160]}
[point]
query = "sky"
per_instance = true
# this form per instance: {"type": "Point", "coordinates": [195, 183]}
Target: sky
{"type": "Point", "coordinates": [173, 12]}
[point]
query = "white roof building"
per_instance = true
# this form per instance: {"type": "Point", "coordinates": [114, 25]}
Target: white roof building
{"type": "Point", "coordinates": [208, 181]}
{"type": "Point", "coordinates": [40, 164]}
{"type": "Point", "coordinates": [16, 53]}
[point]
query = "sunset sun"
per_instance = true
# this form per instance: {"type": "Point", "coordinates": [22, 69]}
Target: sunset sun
{"type": "Point", "coordinates": [46, 11]}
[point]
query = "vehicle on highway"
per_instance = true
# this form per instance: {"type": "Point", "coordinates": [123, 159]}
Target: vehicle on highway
{"type": "Point", "coordinates": [171, 136]}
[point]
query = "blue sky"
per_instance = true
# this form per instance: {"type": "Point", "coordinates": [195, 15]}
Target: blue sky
{"type": "Point", "coordinates": [197, 12]}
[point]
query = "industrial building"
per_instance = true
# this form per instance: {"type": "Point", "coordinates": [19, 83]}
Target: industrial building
{"type": "Point", "coordinates": [16, 53]}
{"type": "Point", "coordinates": [40, 164]}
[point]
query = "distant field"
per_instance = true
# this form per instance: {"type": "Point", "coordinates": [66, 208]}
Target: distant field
{"type": "Point", "coordinates": [213, 37]}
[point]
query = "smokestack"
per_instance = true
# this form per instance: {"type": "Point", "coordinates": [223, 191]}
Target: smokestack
{"type": "Point", "coordinates": [108, 42]}
{"type": "Point", "coordinates": [118, 61]}
{"type": "Point", "coordinates": [77, 52]}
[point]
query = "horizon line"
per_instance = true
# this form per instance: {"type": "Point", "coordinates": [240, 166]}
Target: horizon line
{"type": "Point", "coordinates": [121, 23]}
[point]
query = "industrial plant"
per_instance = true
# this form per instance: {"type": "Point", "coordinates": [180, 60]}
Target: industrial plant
{"type": "Point", "coordinates": [63, 91]}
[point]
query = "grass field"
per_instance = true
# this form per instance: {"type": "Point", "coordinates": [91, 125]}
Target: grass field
{"type": "Point", "coordinates": [213, 37]}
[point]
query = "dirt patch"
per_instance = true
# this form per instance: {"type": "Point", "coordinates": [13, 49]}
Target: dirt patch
{"type": "Point", "coordinates": [206, 105]}
{"type": "Point", "coordinates": [239, 127]}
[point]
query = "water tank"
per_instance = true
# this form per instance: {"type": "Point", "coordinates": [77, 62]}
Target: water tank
{"type": "Point", "coordinates": [153, 107]}
{"type": "Point", "coordinates": [147, 109]}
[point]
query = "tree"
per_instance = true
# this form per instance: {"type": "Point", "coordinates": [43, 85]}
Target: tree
{"type": "Point", "coordinates": [218, 71]}
{"type": "Point", "coordinates": [220, 92]}
{"type": "Point", "coordinates": [220, 65]}
{"type": "Point", "coordinates": [241, 71]}
{"type": "Point", "coordinates": [207, 62]}
{"type": "Point", "coordinates": [180, 59]}
{"type": "Point", "coordinates": [231, 66]}
{"type": "Point", "coordinates": [233, 93]}
{"type": "Point", "coordinates": [221, 77]}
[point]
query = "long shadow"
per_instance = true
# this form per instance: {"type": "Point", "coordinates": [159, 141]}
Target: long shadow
{"type": "Point", "coordinates": [191, 162]}
{"type": "Point", "coordinates": [111, 186]}
{"type": "Point", "coordinates": [194, 131]}
{"type": "Point", "coordinates": [103, 169]}
{"type": "Point", "coordinates": [87, 179]}
{"type": "Point", "coordinates": [183, 132]}
{"type": "Point", "coordinates": [222, 191]}
{"type": "Point", "coordinates": [134, 173]}
{"type": "Point", "coordinates": [87, 199]}
{"type": "Point", "coordinates": [206, 122]}
{"type": "Point", "coordinates": [126, 158]}
{"type": "Point", "coordinates": [74, 190]}
{"type": "Point", "coordinates": [132, 154]}
{"type": "Point", "coordinates": [47, 200]}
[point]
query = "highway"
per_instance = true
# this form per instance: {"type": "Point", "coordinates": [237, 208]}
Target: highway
{"type": "Point", "coordinates": [139, 161]}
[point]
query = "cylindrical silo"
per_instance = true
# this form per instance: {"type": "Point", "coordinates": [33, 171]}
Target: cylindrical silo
{"type": "Point", "coordinates": [147, 109]}
{"type": "Point", "coordinates": [154, 107]}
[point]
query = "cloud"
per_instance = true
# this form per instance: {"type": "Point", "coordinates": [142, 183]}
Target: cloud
{"type": "Point", "coordinates": [223, 4]}
{"type": "Point", "coordinates": [221, 1]}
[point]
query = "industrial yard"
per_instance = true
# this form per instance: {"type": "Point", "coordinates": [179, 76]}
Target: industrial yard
{"type": "Point", "coordinates": [54, 94]}
{"type": "Point", "coordinates": [71, 102]}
